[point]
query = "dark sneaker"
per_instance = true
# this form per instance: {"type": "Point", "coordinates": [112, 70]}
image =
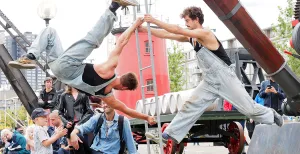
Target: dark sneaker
{"type": "Point", "coordinates": [155, 139]}
{"type": "Point", "coordinates": [22, 63]}
{"type": "Point", "coordinates": [125, 3]}
{"type": "Point", "coordinates": [278, 119]}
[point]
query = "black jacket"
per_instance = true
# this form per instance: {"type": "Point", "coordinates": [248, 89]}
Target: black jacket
{"type": "Point", "coordinates": [69, 108]}
{"type": "Point", "coordinates": [48, 100]}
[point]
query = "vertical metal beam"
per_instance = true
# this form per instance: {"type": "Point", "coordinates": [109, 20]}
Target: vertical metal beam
{"type": "Point", "coordinates": [141, 75]}
{"type": "Point", "coordinates": [237, 65]}
{"type": "Point", "coordinates": [154, 81]}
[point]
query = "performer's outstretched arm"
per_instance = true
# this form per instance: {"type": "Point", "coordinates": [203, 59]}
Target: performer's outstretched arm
{"type": "Point", "coordinates": [113, 58]}
{"type": "Point", "coordinates": [118, 105]}
{"type": "Point", "coordinates": [161, 33]}
{"type": "Point", "coordinates": [199, 33]}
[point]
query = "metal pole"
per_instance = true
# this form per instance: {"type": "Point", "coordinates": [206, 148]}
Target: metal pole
{"type": "Point", "coordinates": [1, 90]}
{"type": "Point", "coordinates": [14, 119]}
{"type": "Point", "coordinates": [15, 110]}
{"type": "Point", "coordinates": [5, 106]}
{"type": "Point", "coordinates": [0, 112]}
{"type": "Point", "coordinates": [141, 75]}
{"type": "Point", "coordinates": [154, 81]}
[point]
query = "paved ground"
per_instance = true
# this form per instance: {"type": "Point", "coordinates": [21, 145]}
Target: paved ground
{"type": "Point", "coordinates": [203, 148]}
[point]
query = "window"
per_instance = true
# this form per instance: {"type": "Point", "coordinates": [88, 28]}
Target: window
{"type": "Point", "coordinates": [139, 9]}
{"type": "Point", "coordinates": [147, 47]}
{"type": "Point", "coordinates": [150, 88]}
{"type": "Point", "coordinates": [126, 11]}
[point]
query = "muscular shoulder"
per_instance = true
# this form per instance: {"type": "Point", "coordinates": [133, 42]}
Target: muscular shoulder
{"type": "Point", "coordinates": [103, 70]}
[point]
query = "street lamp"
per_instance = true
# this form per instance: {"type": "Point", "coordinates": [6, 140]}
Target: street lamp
{"type": "Point", "coordinates": [47, 10]}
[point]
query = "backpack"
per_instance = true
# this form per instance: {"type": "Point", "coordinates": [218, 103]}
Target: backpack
{"type": "Point", "coordinates": [120, 128]}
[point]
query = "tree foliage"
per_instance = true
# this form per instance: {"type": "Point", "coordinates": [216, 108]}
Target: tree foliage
{"type": "Point", "coordinates": [176, 58]}
{"type": "Point", "coordinates": [20, 116]}
{"type": "Point", "coordinates": [283, 32]}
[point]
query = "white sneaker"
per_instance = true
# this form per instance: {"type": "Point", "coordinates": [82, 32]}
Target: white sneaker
{"type": "Point", "coordinates": [155, 139]}
{"type": "Point", "coordinates": [22, 63]}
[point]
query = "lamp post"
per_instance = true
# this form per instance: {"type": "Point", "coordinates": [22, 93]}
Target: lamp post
{"type": "Point", "coordinates": [47, 10]}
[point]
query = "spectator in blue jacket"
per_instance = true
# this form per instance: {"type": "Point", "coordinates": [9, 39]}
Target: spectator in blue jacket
{"type": "Point", "coordinates": [259, 100]}
{"type": "Point", "coordinates": [108, 142]}
{"type": "Point", "coordinates": [17, 142]}
{"type": "Point", "coordinates": [272, 94]}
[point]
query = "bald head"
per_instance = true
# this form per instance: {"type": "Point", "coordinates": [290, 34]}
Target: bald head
{"type": "Point", "coordinates": [55, 118]}
{"type": "Point", "coordinates": [54, 114]}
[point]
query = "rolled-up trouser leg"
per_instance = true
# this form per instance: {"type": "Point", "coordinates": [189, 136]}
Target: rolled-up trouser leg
{"type": "Point", "coordinates": [191, 110]}
{"type": "Point", "coordinates": [47, 41]}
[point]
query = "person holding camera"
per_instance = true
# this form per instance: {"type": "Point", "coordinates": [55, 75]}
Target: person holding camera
{"type": "Point", "coordinates": [272, 94]}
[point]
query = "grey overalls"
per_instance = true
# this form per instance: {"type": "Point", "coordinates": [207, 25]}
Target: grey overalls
{"type": "Point", "coordinates": [219, 80]}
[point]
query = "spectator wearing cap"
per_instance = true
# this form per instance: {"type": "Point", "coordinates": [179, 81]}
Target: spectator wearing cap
{"type": "Point", "coordinates": [17, 142]}
{"type": "Point", "coordinates": [42, 141]}
{"type": "Point", "coordinates": [48, 96]}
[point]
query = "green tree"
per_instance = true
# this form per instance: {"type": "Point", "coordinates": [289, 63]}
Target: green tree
{"type": "Point", "coordinates": [283, 32]}
{"type": "Point", "coordinates": [21, 116]}
{"type": "Point", "coordinates": [176, 58]}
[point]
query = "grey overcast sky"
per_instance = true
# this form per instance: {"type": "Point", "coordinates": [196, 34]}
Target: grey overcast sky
{"type": "Point", "coordinates": [75, 17]}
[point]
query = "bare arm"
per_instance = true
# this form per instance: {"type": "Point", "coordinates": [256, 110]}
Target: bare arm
{"type": "Point", "coordinates": [29, 143]}
{"type": "Point", "coordinates": [161, 33]}
{"type": "Point", "coordinates": [175, 29]}
{"type": "Point", "coordinates": [113, 58]}
{"type": "Point", "coordinates": [59, 133]}
{"type": "Point", "coordinates": [51, 140]}
{"type": "Point", "coordinates": [118, 105]}
{"type": "Point", "coordinates": [75, 131]}
{"type": "Point", "coordinates": [74, 139]}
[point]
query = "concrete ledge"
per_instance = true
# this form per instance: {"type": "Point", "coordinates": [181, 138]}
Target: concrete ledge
{"type": "Point", "coordinates": [271, 139]}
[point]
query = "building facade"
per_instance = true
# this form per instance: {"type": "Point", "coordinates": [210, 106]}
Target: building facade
{"type": "Point", "coordinates": [35, 77]}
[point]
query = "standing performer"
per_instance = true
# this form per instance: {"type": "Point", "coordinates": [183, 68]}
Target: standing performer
{"type": "Point", "coordinates": [219, 78]}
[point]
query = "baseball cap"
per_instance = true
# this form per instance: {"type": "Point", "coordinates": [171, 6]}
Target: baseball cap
{"type": "Point", "coordinates": [38, 112]}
